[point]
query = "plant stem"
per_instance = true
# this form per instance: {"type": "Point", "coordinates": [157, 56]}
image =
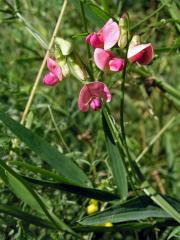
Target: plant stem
{"type": "Point", "coordinates": [134, 168]}
{"type": "Point", "coordinates": [159, 83]}
{"type": "Point", "coordinates": [57, 129]}
{"type": "Point", "coordinates": [154, 139]}
{"type": "Point", "coordinates": [38, 77]}
{"type": "Point", "coordinates": [86, 30]}
{"type": "Point", "coordinates": [148, 17]}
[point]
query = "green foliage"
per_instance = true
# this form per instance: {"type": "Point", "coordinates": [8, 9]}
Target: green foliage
{"type": "Point", "coordinates": [62, 158]}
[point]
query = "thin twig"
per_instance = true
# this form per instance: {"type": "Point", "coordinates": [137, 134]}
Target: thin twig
{"type": "Point", "coordinates": [38, 77]}
{"type": "Point", "coordinates": [57, 129]}
{"type": "Point", "coordinates": [148, 17]}
{"type": "Point", "coordinates": [146, 149]}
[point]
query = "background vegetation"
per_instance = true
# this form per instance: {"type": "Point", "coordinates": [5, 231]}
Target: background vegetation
{"type": "Point", "coordinates": [54, 116]}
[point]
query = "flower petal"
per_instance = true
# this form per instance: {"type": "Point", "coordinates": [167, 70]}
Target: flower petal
{"type": "Point", "coordinates": [142, 53]}
{"type": "Point", "coordinates": [50, 79]}
{"type": "Point", "coordinates": [54, 68]}
{"type": "Point", "coordinates": [101, 58]}
{"type": "Point", "coordinates": [94, 40]}
{"type": "Point", "coordinates": [95, 104]}
{"type": "Point", "coordinates": [84, 99]}
{"type": "Point", "coordinates": [90, 91]}
{"type": "Point", "coordinates": [116, 64]}
{"type": "Point", "coordinates": [111, 34]}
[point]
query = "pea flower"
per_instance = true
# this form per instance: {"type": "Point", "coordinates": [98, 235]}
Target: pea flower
{"type": "Point", "coordinates": [91, 95]}
{"type": "Point", "coordinates": [106, 37]}
{"type": "Point", "coordinates": [142, 53]}
{"type": "Point", "coordinates": [106, 60]}
{"type": "Point", "coordinates": [55, 73]}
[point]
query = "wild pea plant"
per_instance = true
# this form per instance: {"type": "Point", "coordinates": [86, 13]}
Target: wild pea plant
{"type": "Point", "coordinates": [124, 206]}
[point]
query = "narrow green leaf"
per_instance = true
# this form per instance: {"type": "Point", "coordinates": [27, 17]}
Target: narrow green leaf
{"type": "Point", "coordinates": [63, 165]}
{"type": "Point", "coordinates": [86, 192]}
{"type": "Point", "coordinates": [61, 185]}
{"type": "Point", "coordinates": [124, 226]}
{"type": "Point", "coordinates": [28, 218]}
{"type": "Point", "coordinates": [161, 201]}
{"type": "Point", "coordinates": [23, 191]}
{"type": "Point", "coordinates": [116, 161]}
{"type": "Point", "coordinates": [136, 209]}
{"type": "Point", "coordinates": [175, 233]}
{"type": "Point", "coordinates": [173, 10]}
{"type": "Point", "coordinates": [93, 12]}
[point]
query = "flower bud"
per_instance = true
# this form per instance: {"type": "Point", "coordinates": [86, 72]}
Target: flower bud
{"type": "Point", "coordinates": [76, 67]}
{"type": "Point", "coordinates": [124, 32]}
{"type": "Point", "coordinates": [136, 40]}
{"type": "Point", "coordinates": [93, 201]}
{"type": "Point", "coordinates": [108, 224]}
{"type": "Point", "coordinates": [62, 61]}
{"type": "Point", "coordinates": [64, 45]}
{"type": "Point", "coordinates": [92, 208]}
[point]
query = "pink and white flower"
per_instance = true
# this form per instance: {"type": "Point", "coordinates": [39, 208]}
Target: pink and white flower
{"type": "Point", "coordinates": [91, 95]}
{"type": "Point", "coordinates": [106, 60]}
{"type": "Point", "coordinates": [143, 53]}
{"type": "Point", "coordinates": [106, 37]}
{"type": "Point", "coordinates": [55, 73]}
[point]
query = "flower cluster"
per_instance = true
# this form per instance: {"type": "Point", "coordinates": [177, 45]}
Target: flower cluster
{"type": "Point", "coordinates": [92, 93]}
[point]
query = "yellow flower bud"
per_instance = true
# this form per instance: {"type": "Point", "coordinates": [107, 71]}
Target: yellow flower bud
{"type": "Point", "coordinates": [93, 201]}
{"type": "Point", "coordinates": [108, 224]}
{"type": "Point", "coordinates": [92, 208]}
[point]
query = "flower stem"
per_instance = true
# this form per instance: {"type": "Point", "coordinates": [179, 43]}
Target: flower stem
{"type": "Point", "coordinates": [134, 169]}
{"type": "Point", "coordinates": [38, 77]}
{"type": "Point", "coordinates": [86, 30]}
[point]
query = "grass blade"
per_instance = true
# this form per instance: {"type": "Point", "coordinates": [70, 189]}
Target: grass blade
{"type": "Point", "coordinates": [136, 209]}
{"type": "Point", "coordinates": [28, 218]}
{"type": "Point", "coordinates": [23, 191]}
{"type": "Point", "coordinates": [116, 161]}
{"type": "Point", "coordinates": [86, 192]}
{"type": "Point", "coordinates": [63, 165]}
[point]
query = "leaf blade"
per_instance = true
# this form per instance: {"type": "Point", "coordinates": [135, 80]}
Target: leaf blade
{"type": "Point", "coordinates": [64, 166]}
{"type": "Point", "coordinates": [116, 161]}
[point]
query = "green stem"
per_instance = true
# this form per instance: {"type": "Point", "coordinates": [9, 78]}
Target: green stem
{"type": "Point", "coordinates": [86, 30]}
{"type": "Point", "coordinates": [154, 139]}
{"type": "Point", "coordinates": [134, 169]}
{"type": "Point", "coordinates": [161, 84]}
{"type": "Point", "coordinates": [148, 17]}
{"type": "Point", "coordinates": [57, 129]}
{"type": "Point", "coordinates": [166, 87]}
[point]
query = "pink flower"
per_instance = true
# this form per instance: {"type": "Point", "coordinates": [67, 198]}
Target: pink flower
{"type": "Point", "coordinates": [106, 37]}
{"type": "Point", "coordinates": [91, 94]}
{"type": "Point", "coordinates": [142, 53]}
{"type": "Point", "coordinates": [55, 73]}
{"type": "Point", "coordinates": [106, 60]}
